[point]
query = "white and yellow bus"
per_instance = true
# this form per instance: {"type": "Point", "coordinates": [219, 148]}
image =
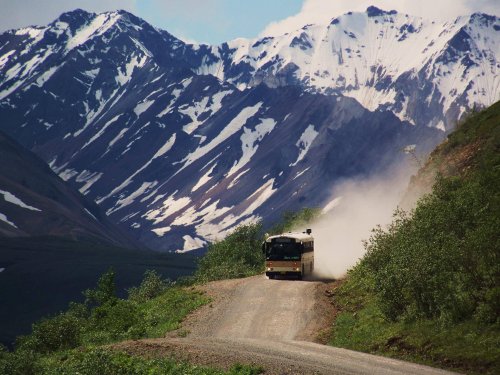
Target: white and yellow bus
{"type": "Point", "coordinates": [289, 254]}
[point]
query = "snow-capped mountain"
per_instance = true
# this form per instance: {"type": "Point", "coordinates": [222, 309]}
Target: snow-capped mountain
{"type": "Point", "coordinates": [425, 72]}
{"type": "Point", "coordinates": [180, 143]}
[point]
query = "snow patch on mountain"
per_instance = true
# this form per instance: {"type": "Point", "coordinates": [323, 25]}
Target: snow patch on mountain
{"type": "Point", "coordinates": [68, 174]}
{"type": "Point", "coordinates": [166, 147]}
{"type": "Point", "coordinates": [204, 179]}
{"type": "Point", "coordinates": [11, 198]}
{"type": "Point", "coordinates": [170, 206]}
{"type": "Point", "coordinates": [6, 220]}
{"type": "Point", "coordinates": [237, 178]}
{"type": "Point", "coordinates": [89, 178]}
{"type": "Point", "coordinates": [249, 140]}
{"type": "Point", "coordinates": [304, 143]}
{"type": "Point", "coordinates": [260, 196]}
{"type": "Point", "coordinates": [163, 150]}
{"type": "Point", "coordinates": [161, 231]}
{"type": "Point", "coordinates": [191, 243]}
{"type": "Point", "coordinates": [233, 127]}
{"type": "Point", "coordinates": [125, 74]}
{"type": "Point", "coordinates": [202, 107]}
{"type": "Point", "coordinates": [101, 131]}
{"type": "Point", "coordinates": [143, 107]}
{"type": "Point", "coordinates": [125, 201]}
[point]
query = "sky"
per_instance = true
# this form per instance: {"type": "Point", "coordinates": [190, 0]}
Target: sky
{"type": "Point", "coordinates": [217, 21]}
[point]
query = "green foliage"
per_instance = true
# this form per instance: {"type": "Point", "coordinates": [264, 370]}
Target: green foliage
{"type": "Point", "coordinates": [19, 362]}
{"type": "Point", "coordinates": [155, 307]}
{"type": "Point", "coordinates": [58, 333]}
{"type": "Point", "coordinates": [295, 219]}
{"type": "Point", "coordinates": [114, 320]}
{"type": "Point", "coordinates": [105, 291]}
{"type": "Point", "coordinates": [105, 362]}
{"type": "Point", "coordinates": [165, 312]}
{"type": "Point", "coordinates": [442, 261]}
{"type": "Point", "coordinates": [151, 286]}
{"type": "Point", "coordinates": [238, 255]}
{"type": "Point", "coordinates": [239, 369]}
{"type": "Point", "coordinates": [469, 346]}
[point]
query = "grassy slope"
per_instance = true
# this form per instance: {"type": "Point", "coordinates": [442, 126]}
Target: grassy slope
{"type": "Point", "coordinates": [75, 341]}
{"type": "Point", "coordinates": [460, 215]}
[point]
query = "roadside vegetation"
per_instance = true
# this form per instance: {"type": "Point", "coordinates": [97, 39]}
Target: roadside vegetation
{"type": "Point", "coordinates": [237, 255]}
{"type": "Point", "coordinates": [73, 342]}
{"type": "Point", "coordinates": [428, 288]}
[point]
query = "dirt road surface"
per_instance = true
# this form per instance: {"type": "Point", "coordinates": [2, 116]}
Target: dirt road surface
{"type": "Point", "coordinates": [268, 323]}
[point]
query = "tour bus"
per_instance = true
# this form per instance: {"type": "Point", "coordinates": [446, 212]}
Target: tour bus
{"type": "Point", "coordinates": [289, 254]}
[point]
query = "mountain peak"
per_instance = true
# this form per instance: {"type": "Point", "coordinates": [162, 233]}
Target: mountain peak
{"type": "Point", "coordinates": [485, 19]}
{"type": "Point", "coordinates": [77, 15]}
{"type": "Point", "coordinates": [373, 11]}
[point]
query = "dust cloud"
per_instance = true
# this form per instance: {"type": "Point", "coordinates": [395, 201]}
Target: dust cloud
{"type": "Point", "coordinates": [357, 206]}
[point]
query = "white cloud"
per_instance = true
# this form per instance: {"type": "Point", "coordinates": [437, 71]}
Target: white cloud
{"type": "Point", "coordinates": [19, 13]}
{"type": "Point", "coordinates": [322, 11]}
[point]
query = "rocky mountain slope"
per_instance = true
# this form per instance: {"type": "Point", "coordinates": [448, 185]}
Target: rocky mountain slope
{"type": "Point", "coordinates": [34, 201]}
{"type": "Point", "coordinates": [179, 143]}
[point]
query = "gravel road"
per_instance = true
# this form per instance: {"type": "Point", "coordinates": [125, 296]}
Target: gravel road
{"type": "Point", "coordinates": [269, 323]}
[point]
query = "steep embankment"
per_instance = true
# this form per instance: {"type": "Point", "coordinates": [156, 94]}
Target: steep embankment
{"type": "Point", "coordinates": [428, 287]}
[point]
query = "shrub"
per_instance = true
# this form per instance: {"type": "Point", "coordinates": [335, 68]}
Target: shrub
{"type": "Point", "coordinates": [115, 319]}
{"type": "Point", "coordinates": [238, 255]}
{"type": "Point", "coordinates": [441, 261]}
{"type": "Point", "coordinates": [92, 362]}
{"type": "Point", "coordinates": [19, 362]}
{"type": "Point", "coordinates": [151, 286]}
{"type": "Point", "coordinates": [104, 292]}
{"type": "Point", "coordinates": [52, 334]}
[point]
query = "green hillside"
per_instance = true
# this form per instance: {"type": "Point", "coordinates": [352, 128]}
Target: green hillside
{"type": "Point", "coordinates": [428, 288]}
{"type": "Point", "coordinates": [77, 340]}
{"type": "Point", "coordinates": [43, 274]}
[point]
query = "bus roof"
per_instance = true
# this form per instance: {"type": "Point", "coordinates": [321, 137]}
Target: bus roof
{"type": "Point", "coordinates": [295, 235]}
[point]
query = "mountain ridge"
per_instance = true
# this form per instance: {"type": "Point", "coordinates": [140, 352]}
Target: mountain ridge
{"type": "Point", "coordinates": [367, 40]}
{"type": "Point", "coordinates": [143, 124]}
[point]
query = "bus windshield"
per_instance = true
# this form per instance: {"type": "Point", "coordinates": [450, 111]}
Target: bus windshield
{"type": "Point", "coordinates": [283, 251]}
